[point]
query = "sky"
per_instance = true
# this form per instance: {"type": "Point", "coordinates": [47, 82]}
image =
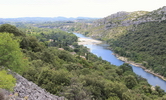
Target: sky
{"type": "Point", "coordinates": [74, 8]}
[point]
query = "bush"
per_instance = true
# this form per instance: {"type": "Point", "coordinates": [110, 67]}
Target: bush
{"type": "Point", "coordinates": [10, 53]}
{"type": "Point", "coordinates": [7, 81]}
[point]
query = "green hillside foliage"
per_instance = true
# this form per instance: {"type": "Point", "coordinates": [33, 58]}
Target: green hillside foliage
{"type": "Point", "coordinates": [62, 67]}
{"type": "Point", "coordinates": [11, 29]}
{"type": "Point", "coordinates": [145, 43]}
{"type": "Point", "coordinates": [82, 75]}
{"type": "Point", "coordinates": [138, 35]}
{"type": "Point", "coordinates": [10, 53]}
{"type": "Point", "coordinates": [6, 81]}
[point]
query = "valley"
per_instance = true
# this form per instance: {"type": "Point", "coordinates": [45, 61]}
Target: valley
{"type": "Point", "coordinates": [47, 53]}
{"type": "Point", "coordinates": [139, 36]}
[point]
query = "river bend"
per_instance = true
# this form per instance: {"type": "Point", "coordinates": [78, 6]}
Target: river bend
{"type": "Point", "coordinates": [106, 54]}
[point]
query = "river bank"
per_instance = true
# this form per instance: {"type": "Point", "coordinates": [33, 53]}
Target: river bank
{"type": "Point", "coordinates": [124, 59]}
{"type": "Point", "coordinates": [86, 41]}
{"type": "Point", "coordinates": [105, 52]}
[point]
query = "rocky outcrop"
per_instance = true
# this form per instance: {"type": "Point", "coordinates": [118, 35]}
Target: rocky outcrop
{"type": "Point", "coordinates": [117, 25]}
{"type": "Point", "coordinates": [26, 90]}
{"type": "Point", "coordinates": [112, 20]}
{"type": "Point", "coordinates": [131, 18]}
{"type": "Point", "coordinates": [156, 15]}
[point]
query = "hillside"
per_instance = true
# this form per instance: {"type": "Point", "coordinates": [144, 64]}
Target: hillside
{"type": "Point", "coordinates": [113, 26]}
{"type": "Point", "coordinates": [145, 44]}
{"type": "Point", "coordinates": [53, 60]}
{"type": "Point", "coordinates": [116, 25]}
{"type": "Point", "coordinates": [138, 35]}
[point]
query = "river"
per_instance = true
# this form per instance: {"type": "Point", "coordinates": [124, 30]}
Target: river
{"type": "Point", "coordinates": [106, 54]}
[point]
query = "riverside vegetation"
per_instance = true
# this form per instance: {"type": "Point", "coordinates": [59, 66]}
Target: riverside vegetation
{"type": "Point", "coordinates": [139, 36]}
{"type": "Point", "coordinates": [53, 60]}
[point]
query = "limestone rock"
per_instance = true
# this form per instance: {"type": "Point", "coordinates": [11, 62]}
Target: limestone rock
{"type": "Point", "coordinates": [26, 90]}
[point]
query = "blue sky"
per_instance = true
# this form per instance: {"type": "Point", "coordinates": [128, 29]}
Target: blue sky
{"type": "Point", "coordinates": [73, 8]}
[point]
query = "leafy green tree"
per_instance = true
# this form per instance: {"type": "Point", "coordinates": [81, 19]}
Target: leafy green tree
{"type": "Point", "coordinates": [76, 91]}
{"type": "Point", "coordinates": [130, 81]}
{"type": "Point", "coordinates": [10, 53]}
{"type": "Point", "coordinates": [6, 81]}
{"type": "Point", "coordinates": [126, 67]}
{"type": "Point", "coordinates": [11, 29]}
{"type": "Point", "coordinates": [31, 43]}
{"type": "Point", "coordinates": [159, 90]}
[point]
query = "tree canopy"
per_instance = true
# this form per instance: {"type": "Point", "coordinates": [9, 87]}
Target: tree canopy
{"type": "Point", "coordinates": [62, 67]}
{"type": "Point", "coordinates": [10, 52]}
{"type": "Point", "coordinates": [145, 43]}
{"type": "Point", "coordinates": [11, 29]}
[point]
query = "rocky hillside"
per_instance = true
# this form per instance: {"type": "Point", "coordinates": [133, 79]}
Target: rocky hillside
{"type": "Point", "coordinates": [119, 19]}
{"type": "Point", "coordinates": [156, 15]}
{"type": "Point", "coordinates": [118, 24]}
{"type": "Point", "coordinates": [27, 90]}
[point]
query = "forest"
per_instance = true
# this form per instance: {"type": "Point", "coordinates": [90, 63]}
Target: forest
{"type": "Point", "coordinates": [53, 60]}
{"type": "Point", "coordinates": [145, 43]}
{"type": "Point", "coordinates": [139, 36]}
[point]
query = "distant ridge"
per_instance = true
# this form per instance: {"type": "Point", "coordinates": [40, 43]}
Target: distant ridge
{"type": "Point", "coordinates": [43, 19]}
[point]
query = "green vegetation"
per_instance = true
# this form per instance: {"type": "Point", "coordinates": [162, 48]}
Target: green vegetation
{"type": "Point", "coordinates": [6, 81]}
{"type": "Point", "coordinates": [11, 29]}
{"type": "Point", "coordinates": [10, 53]}
{"type": "Point", "coordinates": [62, 67]}
{"type": "Point", "coordinates": [64, 74]}
{"type": "Point", "coordinates": [145, 44]}
{"type": "Point", "coordinates": [128, 36]}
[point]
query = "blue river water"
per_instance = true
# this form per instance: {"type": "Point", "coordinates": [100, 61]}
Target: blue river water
{"type": "Point", "coordinates": [106, 54]}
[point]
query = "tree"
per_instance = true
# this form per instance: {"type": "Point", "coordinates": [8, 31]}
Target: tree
{"type": "Point", "coordinates": [11, 29]}
{"type": "Point", "coordinates": [10, 53]}
{"type": "Point", "coordinates": [126, 67]}
{"type": "Point", "coordinates": [159, 90]}
{"type": "Point", "coordinates": [6, 81]}
{"type": "Point", "coordinates": [76, 91]}
{"type": "Point", "coordinates": [31, 43]}
{"type": "Point", "coordinates": [130, 81]}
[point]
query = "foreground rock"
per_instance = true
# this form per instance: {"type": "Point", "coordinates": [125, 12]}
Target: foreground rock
{"type": "Point", "coordinates": [26, 90]}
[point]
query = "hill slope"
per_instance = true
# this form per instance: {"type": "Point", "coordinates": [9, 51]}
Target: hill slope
{"type": "Point", "coordinates": [54, 67]}
{"type": "Point", "coordinates": [113, 26]}
{"type": "Point", "coordinates": [118, 24]}
{"type": "Point", "coordinates": [145, 44]}
{"type": "Point", "coordinates": [138, 35]}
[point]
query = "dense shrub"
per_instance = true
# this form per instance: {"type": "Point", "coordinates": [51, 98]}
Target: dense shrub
{"type": "Point", "coordinates": [6, 81]}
